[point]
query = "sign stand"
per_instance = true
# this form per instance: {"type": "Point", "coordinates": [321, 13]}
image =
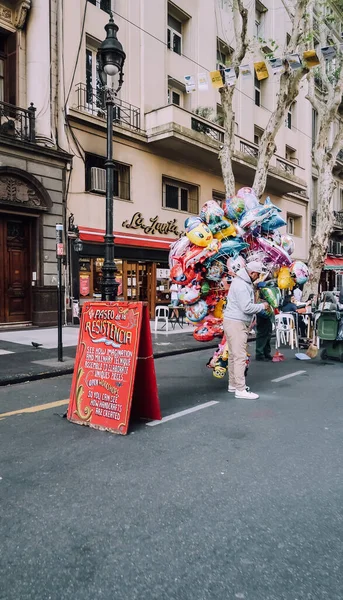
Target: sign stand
{"type": "Point", "coordinates": [114, 374]}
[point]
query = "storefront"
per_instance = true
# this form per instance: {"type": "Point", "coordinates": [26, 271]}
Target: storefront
{"type": "Point", "coordinates": [142, 268]}
{"type": "Point", "coordinates": [332, 274]}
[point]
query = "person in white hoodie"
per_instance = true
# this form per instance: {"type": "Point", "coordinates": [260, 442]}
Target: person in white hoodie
{"type": "Point", "coordinates": [238, 315]}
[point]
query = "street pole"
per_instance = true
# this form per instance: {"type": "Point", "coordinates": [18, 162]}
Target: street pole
{"type": "Point", "coordinates": [109, 285]}
{"type": "Point", "coordinates": [59, 255]}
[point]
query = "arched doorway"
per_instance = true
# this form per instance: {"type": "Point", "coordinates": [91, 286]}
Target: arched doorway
{"type": "Point", "coordinates": [23, 200]}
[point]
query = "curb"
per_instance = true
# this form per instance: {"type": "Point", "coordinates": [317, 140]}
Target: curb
{"type": "Point", "coordinates": [69, 371]}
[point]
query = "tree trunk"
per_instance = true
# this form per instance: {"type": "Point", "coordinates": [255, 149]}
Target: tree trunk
{"type": "Point", "coordinates": [324, 226]}
{"type": "Point", "coordinates": [228, 149]}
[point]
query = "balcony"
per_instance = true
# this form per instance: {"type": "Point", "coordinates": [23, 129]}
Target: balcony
{"type": "Point", "coordinates": [17, 123]}
{"type": "Point", "coordinates": [337, 219]}
{"type": "Point", "coordinates": [93, 103]}
{"type": "Point", "coordinates": [174, 131]}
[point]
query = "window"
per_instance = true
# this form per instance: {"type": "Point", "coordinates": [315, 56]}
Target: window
{"type": "Point", "coordinates": [257, 92]}
{"type": "Point", "coordinates": [8, 67]}
{"type": "Point", "coordinates": [219, 197]}
{"type": "Point", "coordinates": [223, 55]}
{"type": "Point", "coordinates": [294, 225]}
{"type": "Point", "coordinates": [258, 133]}
{"type": "Point", "coordinates": [314, 193]}
{"type": "Point", "coordinates": [94, 99]}
{"type": "Point", "coordinates": [290, 119]}
{"type": "Point", "coordinates": [174, 97]}
{"type": "Point", "coordinates": [178, 195]}
{"type": "Point", "coordinates": [314, 125]}
{"type": "Point", "coordinates": [340, 200]}
{"type": "Point", "coordinates": [103, 4]}
{"type": "Point", "coordinates": [258, 27]}
{"type": "Point", "coordinates": [291, 154]}
{"type": "Point", "coordinates": [174, 34]}
{"type": "Point", "coordinates": [95, 178]}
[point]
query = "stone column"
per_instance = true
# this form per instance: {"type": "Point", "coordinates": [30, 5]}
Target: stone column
{"type": "Point", "coordinates": [38, 66]}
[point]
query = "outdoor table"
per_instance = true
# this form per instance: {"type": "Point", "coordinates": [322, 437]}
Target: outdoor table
{"type": "Point", "coordinates": [177, 318]}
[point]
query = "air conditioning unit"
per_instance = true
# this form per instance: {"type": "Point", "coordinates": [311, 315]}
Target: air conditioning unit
{"type": "Point", "coordinates": [98, 180]}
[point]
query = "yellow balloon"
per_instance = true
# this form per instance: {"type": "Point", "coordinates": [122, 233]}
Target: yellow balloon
{"type": "Point", "coordinates": [218, 309]}
{"type": "Point", "coordinates": [200, 235]}
{"type": "Point", "coordinates": [284, 279]}
{"type": "Point", "coordinates": [229, 231]}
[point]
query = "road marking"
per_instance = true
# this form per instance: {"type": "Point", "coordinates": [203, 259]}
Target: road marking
{"type": "Point", "coordinates": [181, 413]}
{"type": "Point", "coordinates": [34, 409]}
{"type": "Point", "coordinates": [286, 376]}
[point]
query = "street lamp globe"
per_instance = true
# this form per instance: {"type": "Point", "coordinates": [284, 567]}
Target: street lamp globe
{"type": "Point", "coordinates": [111, 54]}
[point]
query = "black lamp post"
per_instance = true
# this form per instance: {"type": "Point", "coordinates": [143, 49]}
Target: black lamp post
{"type": "Point", "coordinates": [111, 58]}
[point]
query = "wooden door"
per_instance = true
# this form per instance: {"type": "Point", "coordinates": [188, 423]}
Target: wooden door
{"type": "Point", "coordinates": [15, 269]}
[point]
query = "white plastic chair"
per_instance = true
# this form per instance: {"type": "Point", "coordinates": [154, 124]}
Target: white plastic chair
{"type": "Point", "coordinates": [285, 330]}
{"type": "Point", "coordinates": [161, 314]}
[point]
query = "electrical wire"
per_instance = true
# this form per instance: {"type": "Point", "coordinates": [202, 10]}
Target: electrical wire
{"type": "Point", "coordinates": [204, 68]}
{"type": "Point", "coordinates": [78, 53]}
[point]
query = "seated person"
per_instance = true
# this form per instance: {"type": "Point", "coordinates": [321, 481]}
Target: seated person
{"type": "Point", "coordinates": [289, 306]}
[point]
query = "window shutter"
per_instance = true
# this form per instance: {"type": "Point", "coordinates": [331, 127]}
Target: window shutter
{"type": "Point", "coordinates": [11, 69]}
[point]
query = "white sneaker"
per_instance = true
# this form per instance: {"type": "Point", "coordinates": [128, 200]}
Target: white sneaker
{"type": "Point", "coordinates": [233, 389]}
{"type": "Point", "coordinates": [246, 395]}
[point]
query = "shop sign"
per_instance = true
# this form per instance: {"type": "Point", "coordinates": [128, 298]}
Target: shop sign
{"type": "Point", "coordinates": [154, 225]}
{"type": "Point", "coordinates": [162, 273]}
{"type": "Point", "coordinates": [114, 373]}
{"type": "Point", "coordinates": [84, 285]}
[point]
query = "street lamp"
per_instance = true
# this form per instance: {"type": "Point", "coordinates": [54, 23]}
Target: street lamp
{"type": "Point", "coordinates": [111, 58]}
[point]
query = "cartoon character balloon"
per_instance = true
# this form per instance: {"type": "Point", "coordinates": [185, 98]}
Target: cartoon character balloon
{"type": "Point", "coordinates": [234, 208]}
{"type": "Point", "coordinates": [300, 272]}
{"type": "Point", "coordinates": [287, 244]}
{"type": "Point", "coordinates": [199, 234]}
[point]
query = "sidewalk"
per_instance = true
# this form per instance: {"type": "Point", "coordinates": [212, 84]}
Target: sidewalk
{"type": "Point", "coordinates": [20, 361]}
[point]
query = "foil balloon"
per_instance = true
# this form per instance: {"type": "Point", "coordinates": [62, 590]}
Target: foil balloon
{"type": "Point", "coordinates": [249, 197]}
{"type": "Point", "coordinates": [287, 244]}
{"type": "Point", "coordinates": [276, 237]}
{"type": "Point", "coordinates": [271, 295]}
{"type": "Point", "coordinates": [255, 216]}
{"type": "Point", "coordinates": [269, 203]}
{"type": "Point", "coordinates": [178, 249]}
{"type": "Point", "coordinates": [205, 288]}
{"type": "Point", "coordinates": [275, 253]}
{"type": "Point", "coordinates": [223, 229]}
{"type": "Point", "coordinates": [191, 294]}
{"type": "Point", "coordinates": [300, 272]}
{"type": "Point", "coordinates": [273, 222]}
{"type": "Point", "coordinates": [199, 234]}
{"type": "Point", "coordinates": [234, 264]}
{"type": "Point", "coordinates": [219, 308]}
{"type": "Point", "coordinates": [197, 312]}
{"type": "Point", "coordinates": [192, 221]}
{"type": "Point", "coordinates": [231, 247]}
{"type": "Point", "coordinates": [211, 212]}
{"type": "Point", "coordinates": [215, 271]}
{"type": "Point", "coordinates": [234, 208]}
{"type": "Point", "coordinates": [284, 279]}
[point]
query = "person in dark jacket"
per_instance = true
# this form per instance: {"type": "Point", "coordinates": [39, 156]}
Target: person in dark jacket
{"type": "Point", "coordinates": [264, 330]}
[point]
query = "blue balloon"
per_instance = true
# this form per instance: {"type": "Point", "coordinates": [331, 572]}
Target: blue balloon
{"type": "Point", "coordinates": [231, 247]}
{"type": "Point", "coordinates": [274, 222]}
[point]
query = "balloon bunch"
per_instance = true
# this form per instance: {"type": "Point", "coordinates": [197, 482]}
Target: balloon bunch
{"type": "Point", "coordinates": [219, 242]}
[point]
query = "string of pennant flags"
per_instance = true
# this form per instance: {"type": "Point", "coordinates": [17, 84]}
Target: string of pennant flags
{"type": "Point", "coordinates": [227, 76]}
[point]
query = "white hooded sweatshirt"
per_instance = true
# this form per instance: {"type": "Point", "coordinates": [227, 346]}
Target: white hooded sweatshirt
{"type": "Point", "coordinates": [240, 300]}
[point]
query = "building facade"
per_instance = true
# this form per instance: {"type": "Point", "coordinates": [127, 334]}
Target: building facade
{"type": "Point", "coordinates": [32, 166]}
{"type": "Point", "coordinates": [165, 141]}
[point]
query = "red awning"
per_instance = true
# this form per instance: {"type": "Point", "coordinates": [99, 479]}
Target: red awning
{"type": "Point", "coordinates": [88, 234]}
{"type": "Point", "coordinates": [333, 263]}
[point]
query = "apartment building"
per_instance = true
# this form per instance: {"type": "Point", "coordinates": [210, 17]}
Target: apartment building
{"type": "Point", "coordinates": [165, 142]}
{"type": "Point", "coordinates": [32, 166]}
{"type": "Point", "coordinates": [165, 150]}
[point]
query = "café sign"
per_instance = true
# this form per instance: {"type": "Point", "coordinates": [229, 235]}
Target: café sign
{"type": "Point", "coordinates": [153, 226]}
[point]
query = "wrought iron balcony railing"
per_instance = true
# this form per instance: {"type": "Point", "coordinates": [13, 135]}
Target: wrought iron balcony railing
{"type": "Point", "coordinates": [284, 166]}
{"type": "Point", "coordinates": [93, 102]}
{"type": "Point", "coordinates": [17, 123]}
{"type": "Point", "coordinates": [212, 131]}
{"type": "Point", "coordinates": [337, 218]}
{"type": "Point", "coordinates": [249, 149]}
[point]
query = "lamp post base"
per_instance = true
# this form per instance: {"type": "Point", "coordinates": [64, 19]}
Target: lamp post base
{"type": "Point", "coordinates": [109, 285]}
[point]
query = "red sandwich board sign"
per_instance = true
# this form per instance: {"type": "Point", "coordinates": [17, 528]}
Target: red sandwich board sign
{"type": "Point", "coordinates": [114, 374]}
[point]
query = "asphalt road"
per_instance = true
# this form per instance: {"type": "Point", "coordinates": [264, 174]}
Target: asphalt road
{"type": "Point", "coordinates": [239, 500]}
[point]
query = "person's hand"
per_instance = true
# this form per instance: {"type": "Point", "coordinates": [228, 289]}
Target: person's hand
{"type": "Point", "coordinates": [266, 305]}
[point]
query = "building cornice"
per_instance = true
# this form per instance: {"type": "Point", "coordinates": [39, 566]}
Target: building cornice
{"type": "Point", "coordinates": [21, 13]}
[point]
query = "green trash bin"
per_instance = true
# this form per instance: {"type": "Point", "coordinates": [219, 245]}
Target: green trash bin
{"type": "Point", "coordinates": [327, 328]}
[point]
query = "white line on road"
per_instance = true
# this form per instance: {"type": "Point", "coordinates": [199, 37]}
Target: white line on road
{"type": "Point", "coordinates": [288, 376]}
{"type": "Point", "coordinates": [182, 413]}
